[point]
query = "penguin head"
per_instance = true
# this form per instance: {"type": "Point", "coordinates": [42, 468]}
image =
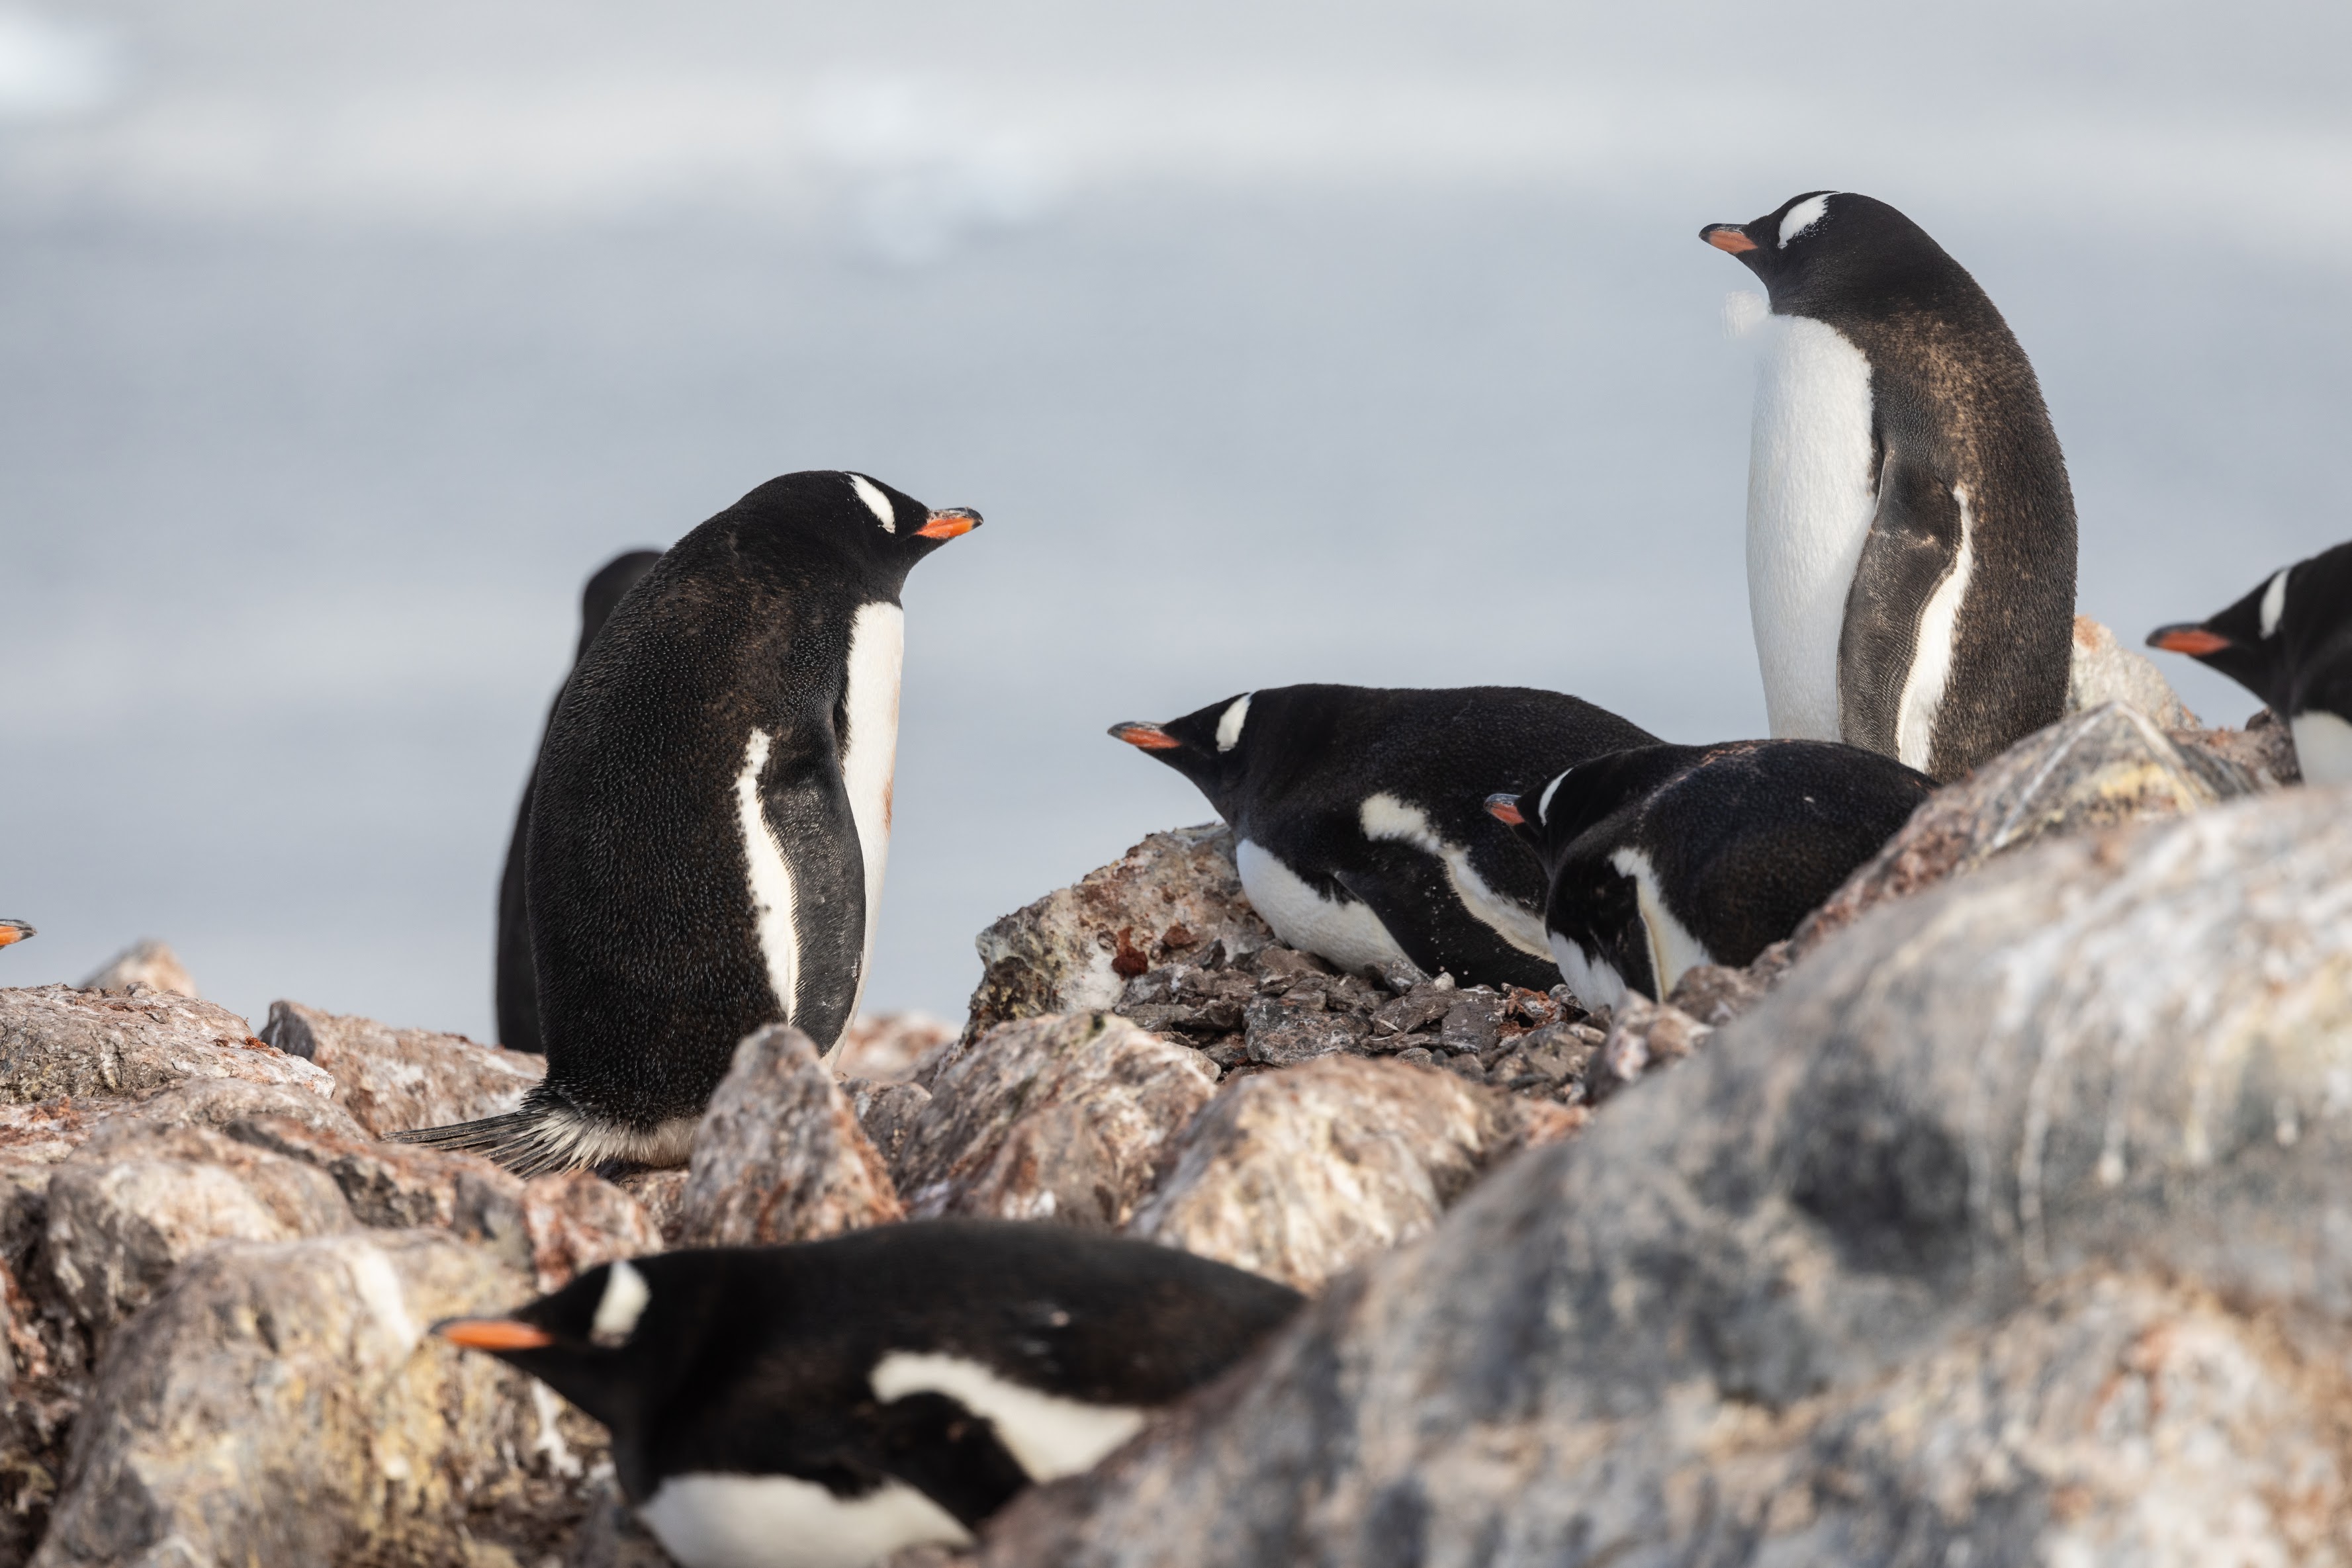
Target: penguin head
{"type": "Point", "coordinates": [605, 589]}
{"type": "Point", "coordinates": [855, 521]}
{"type": "Point", "coordinates": [2289, 642]}
{"type": "Point", "coordinates": [1815, 248]}
{"type": "Point", "coordinates": [1209, 745]}
{"type": "Point", "coordinates": [607, 1341]}
{"type": "Point", "coordinates": [1592, 911]}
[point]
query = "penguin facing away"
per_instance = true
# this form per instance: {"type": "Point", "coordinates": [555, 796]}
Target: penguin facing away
{"type": "Point", "coordinates": [2289, 643]}
{"type": "Point", "coordinates": [824, 1404]}
{"type": "Point", "coordinates": [1355, 813]}
{"type": "Point", "coordinates": [1910, 526]}
{"type": "Point", "coordinates": [710, 816]}
{"type": "Point", "coordinates": [517, 990]}
{"type": "Point", "coordinates": [1663, 858]}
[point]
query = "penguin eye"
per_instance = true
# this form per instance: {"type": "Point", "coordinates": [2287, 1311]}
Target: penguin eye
{"type": "Point", "coordinates": [1802, 216]}
{"type": "Point", "coordinates": [876, 502]}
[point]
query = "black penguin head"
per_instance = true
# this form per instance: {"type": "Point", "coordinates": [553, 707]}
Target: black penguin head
{"type": "Point", "coordinates": [606, 1342]}
{"type": "Point", "coordinates": [1824, 245]}
{"type": "Point", "coordinates": [878, 532]}
{"type": "Point", "coordinates": [2289, 642]}
{"type": "Point", "coordinates": [1209, 745]}
{"type": "Point", "coordinates": [612, 583]}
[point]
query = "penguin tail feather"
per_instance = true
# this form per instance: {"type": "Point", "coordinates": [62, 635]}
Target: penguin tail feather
{"type": "Point", "coordinates": [547, 1134]}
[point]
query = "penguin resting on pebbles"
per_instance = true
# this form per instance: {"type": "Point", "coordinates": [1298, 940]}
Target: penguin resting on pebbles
{"type": "Point", "coordinates": [1356, 820]}
{"type": "Point", "coordinates": [1663, 858]}
{"type": "Point", "coordinates": [823, 1404]}
{"type": "Point", "coordinates": [710, 817]}
{"type": "Point", "coordinates": [2289, 643]}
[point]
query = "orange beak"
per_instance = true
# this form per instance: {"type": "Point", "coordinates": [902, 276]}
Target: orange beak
{"type": "Point", "coordinates": [1727, 237]}
{"type": "Point", "coordinates": [1149, 736]}
{"type": "Point", "coordinates": [2187, 640]}
{"type": "Point", "coordinates": [13, 931]}
{"type": "Point", "coordinates": [493, 1334]}
{"type": "Point", "coordinates": [1506, 809]}
{"type": "Point", "coordinates": [948, 523]}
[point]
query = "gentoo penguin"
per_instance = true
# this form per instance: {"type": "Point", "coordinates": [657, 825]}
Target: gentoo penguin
{"type": "Point", "coordinates": [2289, 643]}
{"type": "Point", "coordinates": [1666, 857]}
{"type": "Point", "coordinates": [1355, 812]}
{"type": "Point", "coordinates": [518, 991]}
{"type": "Point", "coordinates": [710, 815]}
{"type": "Point", "coordinates": [1910, 529]}
{"type": "Point", "coordinates": [822, 1405]}
{"type": "Point", "coordinates": [15, 931]}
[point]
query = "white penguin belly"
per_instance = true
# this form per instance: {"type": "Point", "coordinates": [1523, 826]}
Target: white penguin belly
{"type": "Point", "coordinates": [878, 641]}
{"type": "Point", "coordinates": [1595, 982]}
{"type": "Point", "coordinates": [1344, 931]}
{"type": "Point", "coordinates": [2323, 747]}
{"type": "Point", "coordinates": [784, 1521]}
{"type": "Point", "coordinates": [1810, 505]}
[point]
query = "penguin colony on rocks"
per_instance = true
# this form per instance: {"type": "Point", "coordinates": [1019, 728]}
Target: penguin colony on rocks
{"type": "Point", "coordinates": [699, 853]}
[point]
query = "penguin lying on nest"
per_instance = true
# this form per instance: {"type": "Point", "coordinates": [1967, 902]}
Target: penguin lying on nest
{"type": "Point", "coordinates": [823, 1404]}
{"type": "Point", "coordinates": [2289, 643]}
{"type": "Point", "coordinates": [1666, 857]}
{"type": "Point", "coordinates": [1355, 814]}
{"type": "Point", "coordinates": [710, 817]}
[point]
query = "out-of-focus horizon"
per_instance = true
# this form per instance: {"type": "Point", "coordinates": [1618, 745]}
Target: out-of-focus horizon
{"type": "Point", "coordinates": [1278, 341]}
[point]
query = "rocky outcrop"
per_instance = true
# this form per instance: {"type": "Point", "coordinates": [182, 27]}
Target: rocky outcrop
{"type": "Point", "coordinates": [890, 1048]}
{"type": "Point", "coordinates": [2103, 671]}
{"type": "Point", "coordinates": [150, 964]}
{"type": "Point", "coordinates": [780, 1156]}
{"type": "Point", "coordinates": [2014, 1226]}
{"type": "Point", "coordinates": [391, 1079]}
{"type": "Point", "coordinates": [58, 1043]}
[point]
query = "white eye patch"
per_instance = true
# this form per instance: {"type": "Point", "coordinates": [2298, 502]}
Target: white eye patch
{"type": "Point", "coordinates": [624, 1303]}
{"type": "Point", "coordinates": [876, 502]}
{"type": "Point", "coordinates": [1543, 802]}
{"type": "Point", "coordinates": [2274, 604]}
{"type": "Point", "coordinates": [1802, 216]}
{"type": "Point", "coordinates": [1229, 724]}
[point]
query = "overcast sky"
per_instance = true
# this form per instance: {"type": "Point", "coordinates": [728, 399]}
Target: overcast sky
{"type": "Point", "coordinates": [1278, 341]}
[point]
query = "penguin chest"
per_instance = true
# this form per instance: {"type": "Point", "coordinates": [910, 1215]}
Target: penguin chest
{"type": "Point", "coordinates": [727, 1521]}
{"type": "Point", "coordinates": [1344, 931]}
{"type": "Point", "coordinates": [2323, 747]}
{"type": "Point", "coordinates": [1811, 500]}
{"type": "Point", "coordinates": [869, 756]}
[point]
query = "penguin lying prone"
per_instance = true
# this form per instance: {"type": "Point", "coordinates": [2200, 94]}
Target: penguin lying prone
{"type": "Point", "coordinates": [823, 1404]}
{"type": "Point", "coordinates": [1355, 812]}
{"type": "Point", "coordinates": [2289, 643]}
{"type": "Point", "coordinates": [1663, 858]}
{"type": "Point", "coordinates": [710, 817]}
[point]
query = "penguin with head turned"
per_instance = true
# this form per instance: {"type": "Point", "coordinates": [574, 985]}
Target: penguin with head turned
{"type": "Point", "coordinates": [1662, 858]}
{"type": "Point", "coordinates": [710, 816]}
{"type": "Point", "coordinates": [2289, 643]}
{"type": "Point", "coordinates": [1356, 817]}
{"type": "Point", "coordinates": [1910, 526]}
{"type": "Point", "coordinates": [823, 1405]}
{"type": "Point", "coordinates": [516, 990]}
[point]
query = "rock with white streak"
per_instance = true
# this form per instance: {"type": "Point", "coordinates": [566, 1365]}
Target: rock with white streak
{"type": "Point", "coordinates": [779, 1156]}
{"type": "Point", "coordinates": [150, 964]}
{"type": "Point", "coordinates": [58, 1043]}
{"type": "Point", "coordinates": [391, 1079]}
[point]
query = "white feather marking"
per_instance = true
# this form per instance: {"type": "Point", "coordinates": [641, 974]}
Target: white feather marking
{"type": "Point", "coordinates": [877, 642]}
{"type": "Point", "coordinates": [1744, 310]}
{"type": "Point", "coordinates": [1344, 931]}
{"type": "Point", "coordinates": [2323, 747]}
{"type": "Point", "coordinates": [759, 1522]}
{"type": "Point", "coordinates": [1543, 804]}
{"type": "Point", "coordinates": [1673, 949]}
{"type": "Point", "coordinates": [624, 1301]}
{"type": "Point", "coordinates": [770, 880]}
{"type": "Point", "coordinates": [2274, 602]}
{"type": "Point", "coordinates": [1052, 1437]}
{"type": "Point", "coordinates": [1384, 817]}
{"type": "Point", "coordinates": [876, 502]}
{"type": "Point", "coordinates": [1594, 981]}
{"type": "Point", "coordinates": [1229, 722]}
{"type": "Point", "coordinates": [1931, 651]}
{"type": "Point", "coordinates": [1808, 512]}
{"type": "Point", "coordinates": [1802, 216]}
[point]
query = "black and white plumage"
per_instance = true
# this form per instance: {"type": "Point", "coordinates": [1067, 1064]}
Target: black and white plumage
{"type": "Point", "coordinates": [1662, 858]}
{"type": "Point", "coordinates": [822, 1405]}
{"type": "Point", "coordinates": [1357, 822]}
{"type": "Point", "coordinates": [712, 814]}
{"type": "Point", "coordinates": [1910, 526]}
{"type": "Point", "coordinates": [2289, 643]}
{"type": "Point", "coordinates": [517, 990]}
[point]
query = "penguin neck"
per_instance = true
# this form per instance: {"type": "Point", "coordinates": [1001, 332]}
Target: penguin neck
{"type": "Point", "coordinates": [870, 753]}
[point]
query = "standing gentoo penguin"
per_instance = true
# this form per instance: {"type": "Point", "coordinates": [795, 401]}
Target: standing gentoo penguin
{"type": "Point", "coordinates": [1910, 529]}
{"type": "Point", "coordinates": [517, 990]}
{"type": "Point", "coordinates": [1666, 857]}
{"type": "Point", "coordinates": [823, 1404]}
{"type": "Point", "coordinates": [710, 815]}
{"type": "Point", "coordinates": [2289, 643]}
{"type": "Point", "coordinates": [1356, 819]}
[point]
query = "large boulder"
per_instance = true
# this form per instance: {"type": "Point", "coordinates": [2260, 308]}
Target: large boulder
{"type": "Point", "coordinates": [780, 1156]}
{"type": "Point", "coordinates": [391, 1079]}
{"type": "Point", "coordinates": [2103, 671]}
{"type": "Point", "coordinates": [2015, 1226]}
{"type": "Point", "coordinates": [56, 1042]}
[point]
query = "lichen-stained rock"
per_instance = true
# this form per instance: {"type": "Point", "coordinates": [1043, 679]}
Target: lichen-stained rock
{"type": "Point", "coordinates": [2097, 769]}
{"type": "Point", "coordinates": [280, 1403]}
{"type": "Point", "coordinates": [2264, 748]}
{"type": "Point", "coordinates": [1643, 1035]}
{"type": "Point", "coordinates": [1174, 896]}
{"type": "Point", "coordinates": [1058, 1118]}
{"type": "Point", "coordinates": [391, 1079]}
{"type": "Point", "coordinates": [393, 1187]}
{"type": "Point", "coordinates": [56, 1042]}
{"type": "Point", "coordinates": [888, 1111]}
{"type": "Point", "coordinates": [2105, 671]}
{"type": "Point", "coordinates": [2014, 1226]}
{"type": "Point", "coordinates": [1301, 1174]}
{"type": "Point", "coordinates": [780, 1156]}
{"type": "Point", "coordinates": [578, 1220]}
{"type": "Point", "coordinates": [150, 964]}
{"type": "Point", "coordinates": [662, 1195]}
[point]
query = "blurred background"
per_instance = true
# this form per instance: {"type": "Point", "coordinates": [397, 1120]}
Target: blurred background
{"type": "Point", "coordinates": [1278, 340]}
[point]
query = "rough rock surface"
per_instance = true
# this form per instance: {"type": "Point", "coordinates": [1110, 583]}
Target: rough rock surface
{"type": "Point", "coordinates": [1051, 1118]}
{"type": "Point", "coordinates": [150, 964]}
{"type": "Point", "coordinates": [2015, 1226]}
{"type": "Point", "coordinates": [57, 1043]}
{"type": "Point", "coordinates": [2264, 748]}
{"type": "Point", "coordinates": [576, 1221]}
{"type": "Point", "coordinates": [662, 1195]}
{"type": "Point", "coordinates": [780, 1156]}
{"type": "Point", "coordinates": [391, 1079]}
{"type": "Point", "coordinates": [890, 1048]}
{"type": "Point", "coordinates": [2105, 671]}
{"type": "Point", "coordinates": [1299, 1174]}
{"type": "Point", "coordinates": [1174, 895]}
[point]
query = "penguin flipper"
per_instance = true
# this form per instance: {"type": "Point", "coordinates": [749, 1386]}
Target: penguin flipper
{"type": "Point", "coordinates": [1912, 548]}
{"type": "Point", "coordinates": [805, 802]}
{"type": "Point", "coordinates": [1397, 882]}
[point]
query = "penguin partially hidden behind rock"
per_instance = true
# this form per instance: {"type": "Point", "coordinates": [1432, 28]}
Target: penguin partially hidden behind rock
{"type": "Point", "coordinates": [823, 1404]}
{"type": "Point", "coordinates": [2289, 643]}
{"type": "Point", "coordinates": [517, 990]}
{"type": "Point", "coordinates": [1663, 858]}
{"type": "Point", "coordinates": [1910, 528]}
{"type": "Point", "coordinates": [1356, 816]}
{"type": "Point", "coordinates": [710, 817]}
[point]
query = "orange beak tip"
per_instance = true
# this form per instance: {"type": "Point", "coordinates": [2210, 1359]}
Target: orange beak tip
{"type": "Point", "coordinates": [1506, 809]}
{"type": "Point", "coordinates": [493, 1334]}
{"type": "Point", "coordinates": [1727, 237]}
{"type": "Point", "coordinates": [2190, 640]}
{"type": "Point", "coordinates": [949, 525]}
{"type": "Point", "coordinates": [1148, 736]}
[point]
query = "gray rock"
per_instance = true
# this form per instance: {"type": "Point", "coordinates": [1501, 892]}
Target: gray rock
{"type": "Point", "coordinates": [577, 1219]}
{"type": "Point", "coordinates": [662, 1195]}
{"type": "Point", "coordinates": [150, 964]}
{"type": "Point", "coordinates": [888, 1111]}
{"type": "Point", "coordinates": [392, 1187]}
{"type": "Point", "coordinates": [2015, 1226]}
{"type": "Point", "coordinates": [57, 1043]}
{"type": "Point", "coordinates": [391, 1079]}
{"type": "Point", "coordinates": [2103, 671]}
{"type": "Point", "coordinates": [890, 1048]}
{"type": "Point", "coordinates": [1643, 1037]}
{"type": "Point", "coordinates": [2264, 749]}
{"type": "Point", "coordinates": [1281, 1031]}
{"type": "Point", "coordinates": [1051, 1118]}
{"type": "Point", "coordinates": [612, 1536]}
{"type": "Point", "coordinates": [779, 1155]}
